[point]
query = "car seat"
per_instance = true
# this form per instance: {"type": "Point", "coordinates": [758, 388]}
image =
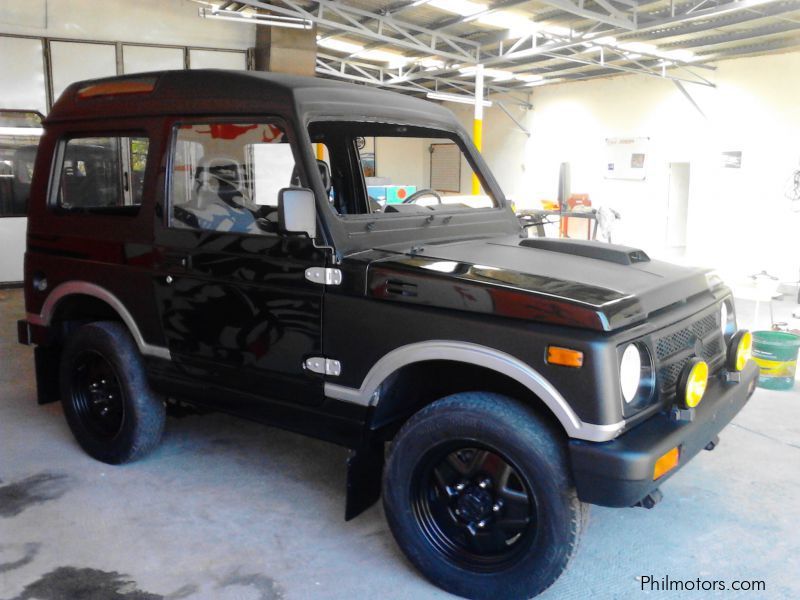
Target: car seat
{"type": "Point", "coordinates": [217, 201]}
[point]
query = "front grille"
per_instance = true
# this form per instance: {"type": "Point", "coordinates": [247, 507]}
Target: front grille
{"type": "Point", "coordinates": [676, 347]}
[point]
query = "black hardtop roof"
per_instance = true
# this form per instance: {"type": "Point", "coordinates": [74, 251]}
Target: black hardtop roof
{"type": "Point", "coordinates": [217, 91]}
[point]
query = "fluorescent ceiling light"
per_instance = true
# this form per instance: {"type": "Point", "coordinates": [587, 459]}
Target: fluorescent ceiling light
{"type": "Point", "coordinates": [357, 50]}
{"type": "Point", "coordinates": [640, 47]}
{"type": "Point", "coordinates": [528, 77]}
{"type": "Point", "coordinates": [255, 18]}
{"type": "Point", "coordinates": [430, 64]}
{"type": "Point", "coordinates": [516, 24]}
{"type": "Point", "coordinates": [556, 30]}
{"type": "Point", "coordinates": [465, 8]}
{"type": "Point", "coordinates": [21, 131]}
{"type": "Point", "coordinates": [340, 45]}
{"type": "Point", "coordinates": [606, 40]}
{"type": "Point", "coordinates": [680, 55]}
{"type": "Point", "coordinates": [544, 82]}
{"type": "Point", "coordinates": [392, 58]}
{"type": "Point", "coordinates": [495, 74]}
{"type": "Point", "coordinates": [457, 98]}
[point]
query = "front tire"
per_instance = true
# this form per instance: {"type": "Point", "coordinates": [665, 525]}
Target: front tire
{"type": "Point", "coordinates": [107, 401]}
{"type": "Point", "coordinates": [478, 495]}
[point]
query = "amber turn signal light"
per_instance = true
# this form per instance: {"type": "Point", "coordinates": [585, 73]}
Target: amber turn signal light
{"type": "Point", "coordinates": [666, 463]}
{"type": "Point", "coordinates": [566, 357]}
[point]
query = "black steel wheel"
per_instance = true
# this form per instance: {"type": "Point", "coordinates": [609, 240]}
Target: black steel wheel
{"type": "Point", "coordinates": [108, 403]}
{"type": "Point", "coordinates": [478, 494]}
{"type": "Point", "coordinates": [473, 506]}
{"type": "Point", "coordinates": [97, 395]}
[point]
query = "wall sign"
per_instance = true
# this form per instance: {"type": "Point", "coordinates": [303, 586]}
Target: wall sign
{"type": "Point", "coordinates": [732, 160]}
{"type": "Point", "coordinates": [626, 158]}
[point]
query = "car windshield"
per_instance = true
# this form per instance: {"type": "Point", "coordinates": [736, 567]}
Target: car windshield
{"type": "Point", "coordinates": [383, 169]}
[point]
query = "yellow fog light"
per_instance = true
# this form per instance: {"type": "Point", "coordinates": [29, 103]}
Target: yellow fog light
{"type": "Point", "coordinates": [740, 350]}
{"type": "Point", "coordinates": [666, 463]}
{"type": "Point", "coordinates": [693, 382]}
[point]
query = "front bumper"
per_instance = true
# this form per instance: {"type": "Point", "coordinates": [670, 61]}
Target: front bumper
{"type": "Point", "coordinates": [620, 472]}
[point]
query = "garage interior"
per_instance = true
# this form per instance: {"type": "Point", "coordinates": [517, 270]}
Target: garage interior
{"type": "Point", "coordinates": [671, 126]}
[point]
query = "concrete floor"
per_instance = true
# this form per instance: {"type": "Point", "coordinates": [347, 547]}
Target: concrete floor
{"type": "Point", "coordinates": [226, 509]}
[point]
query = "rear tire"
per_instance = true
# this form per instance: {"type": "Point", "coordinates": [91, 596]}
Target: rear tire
{"type": "Point", "coordinates": [108, 403]}
{"type": "Point", "coordinates": [478, 495]}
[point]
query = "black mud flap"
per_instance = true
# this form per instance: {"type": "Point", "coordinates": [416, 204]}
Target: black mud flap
{"type": "Point", "coordinates": [47, 360]}
{"type": "Point", "coordinates": [364, 473]}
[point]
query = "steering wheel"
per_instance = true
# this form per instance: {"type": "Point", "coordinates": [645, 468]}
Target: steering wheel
{"type": "Point", "coordinates": [420, 193]}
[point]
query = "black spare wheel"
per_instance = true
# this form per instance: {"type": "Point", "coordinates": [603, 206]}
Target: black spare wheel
{"type": "Point", "coordinates": [108, 404]}
{"type": "Point", "coordinates": [478, 495]}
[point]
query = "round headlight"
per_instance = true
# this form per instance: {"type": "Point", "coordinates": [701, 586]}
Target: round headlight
{"type": "Point", "coordinates": [693, 382]}
{"type": "Point", "coordinates": [723, 317]}
{"type": "Point", "coordinates": [630, 372]}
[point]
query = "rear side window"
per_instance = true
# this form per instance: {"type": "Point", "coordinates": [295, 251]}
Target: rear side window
{"type": "Point", "coordinates": [102, 173]}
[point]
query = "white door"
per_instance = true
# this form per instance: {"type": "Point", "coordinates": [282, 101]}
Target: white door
{"type": "Point", "coordinates": [22, 88]}
{"type": "Point", "coordinates": [678, 204]}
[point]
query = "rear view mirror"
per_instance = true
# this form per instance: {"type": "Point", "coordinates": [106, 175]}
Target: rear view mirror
{"type": "Point", "coordinates": [297, 211]}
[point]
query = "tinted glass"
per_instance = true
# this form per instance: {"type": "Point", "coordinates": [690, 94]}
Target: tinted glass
{"type": "Point", "coordinates": [103, 173]}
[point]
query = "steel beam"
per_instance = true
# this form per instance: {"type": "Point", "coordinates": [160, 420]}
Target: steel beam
{"type": "Point", "coordinates": [627, 19]}
{"type": "Point", "coordinates": [339, 16]}
{"type": "Point", "coordinates": [612, 15]}
{"type": "Point", "coordinates": [363, 72]}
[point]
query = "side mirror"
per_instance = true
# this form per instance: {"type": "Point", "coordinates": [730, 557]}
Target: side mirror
{"type": "Point", "coordinates": [297, 211]}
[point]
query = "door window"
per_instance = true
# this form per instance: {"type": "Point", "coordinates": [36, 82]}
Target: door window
{"type": "Point", "coordinates": [105, 173]}
{"type": "Point", "coordinates": [227, 176]}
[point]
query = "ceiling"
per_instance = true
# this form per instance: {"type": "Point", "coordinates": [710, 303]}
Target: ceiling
{"type": "Point", "coordinates": [422, 45]}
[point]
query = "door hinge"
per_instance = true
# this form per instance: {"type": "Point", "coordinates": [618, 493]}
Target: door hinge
{"type": "Point", "coordinates": [324, 276]}
{"type": "Point", "coordinates": [323, 366]}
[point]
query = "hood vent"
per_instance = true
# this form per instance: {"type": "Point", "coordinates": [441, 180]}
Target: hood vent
{"type": "Point", "coordinates": [395, 287]}
{"type": "Point", "coordinates": [622, 255]}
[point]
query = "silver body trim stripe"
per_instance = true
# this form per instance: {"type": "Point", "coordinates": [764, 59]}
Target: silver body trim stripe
{"type": "Point", "coordinates": [90, 289]}
{"type": "Point", "coordinates": [485, 357]}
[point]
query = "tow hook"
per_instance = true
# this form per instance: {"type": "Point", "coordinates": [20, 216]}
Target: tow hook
{"type": "Point", "coordinates": [712, 444]}
{"type": "Point", "coordinates": [651, 499]}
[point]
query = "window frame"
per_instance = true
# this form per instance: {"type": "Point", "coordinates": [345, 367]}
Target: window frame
{"type": "Point", "coordinates": [55, 182]}
{"type": "Point", "coordinates": [11, 112]}
{"type": "Point", "coordinates": [446, 135]}
{"type": "Point", "coordinates": [174, 128]}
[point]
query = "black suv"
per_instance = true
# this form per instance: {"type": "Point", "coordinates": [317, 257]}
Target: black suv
{"type": "Point", "coordinates": [300, 252]}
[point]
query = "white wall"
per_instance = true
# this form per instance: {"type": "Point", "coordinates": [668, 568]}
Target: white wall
{"type": "Point", "coordinates": [739, 219]}
{"type": "Point", "coordinates": [403, 160]}
{"type": "Point", "coordinates": [173, 22]}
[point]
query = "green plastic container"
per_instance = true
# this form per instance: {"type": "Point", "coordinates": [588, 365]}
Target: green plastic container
{"type": "Point", "coordinates": [776, 355]}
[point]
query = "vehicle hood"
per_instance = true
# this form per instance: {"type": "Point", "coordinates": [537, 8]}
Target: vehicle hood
{"type": "Point", "coordinates": [566, 282]}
